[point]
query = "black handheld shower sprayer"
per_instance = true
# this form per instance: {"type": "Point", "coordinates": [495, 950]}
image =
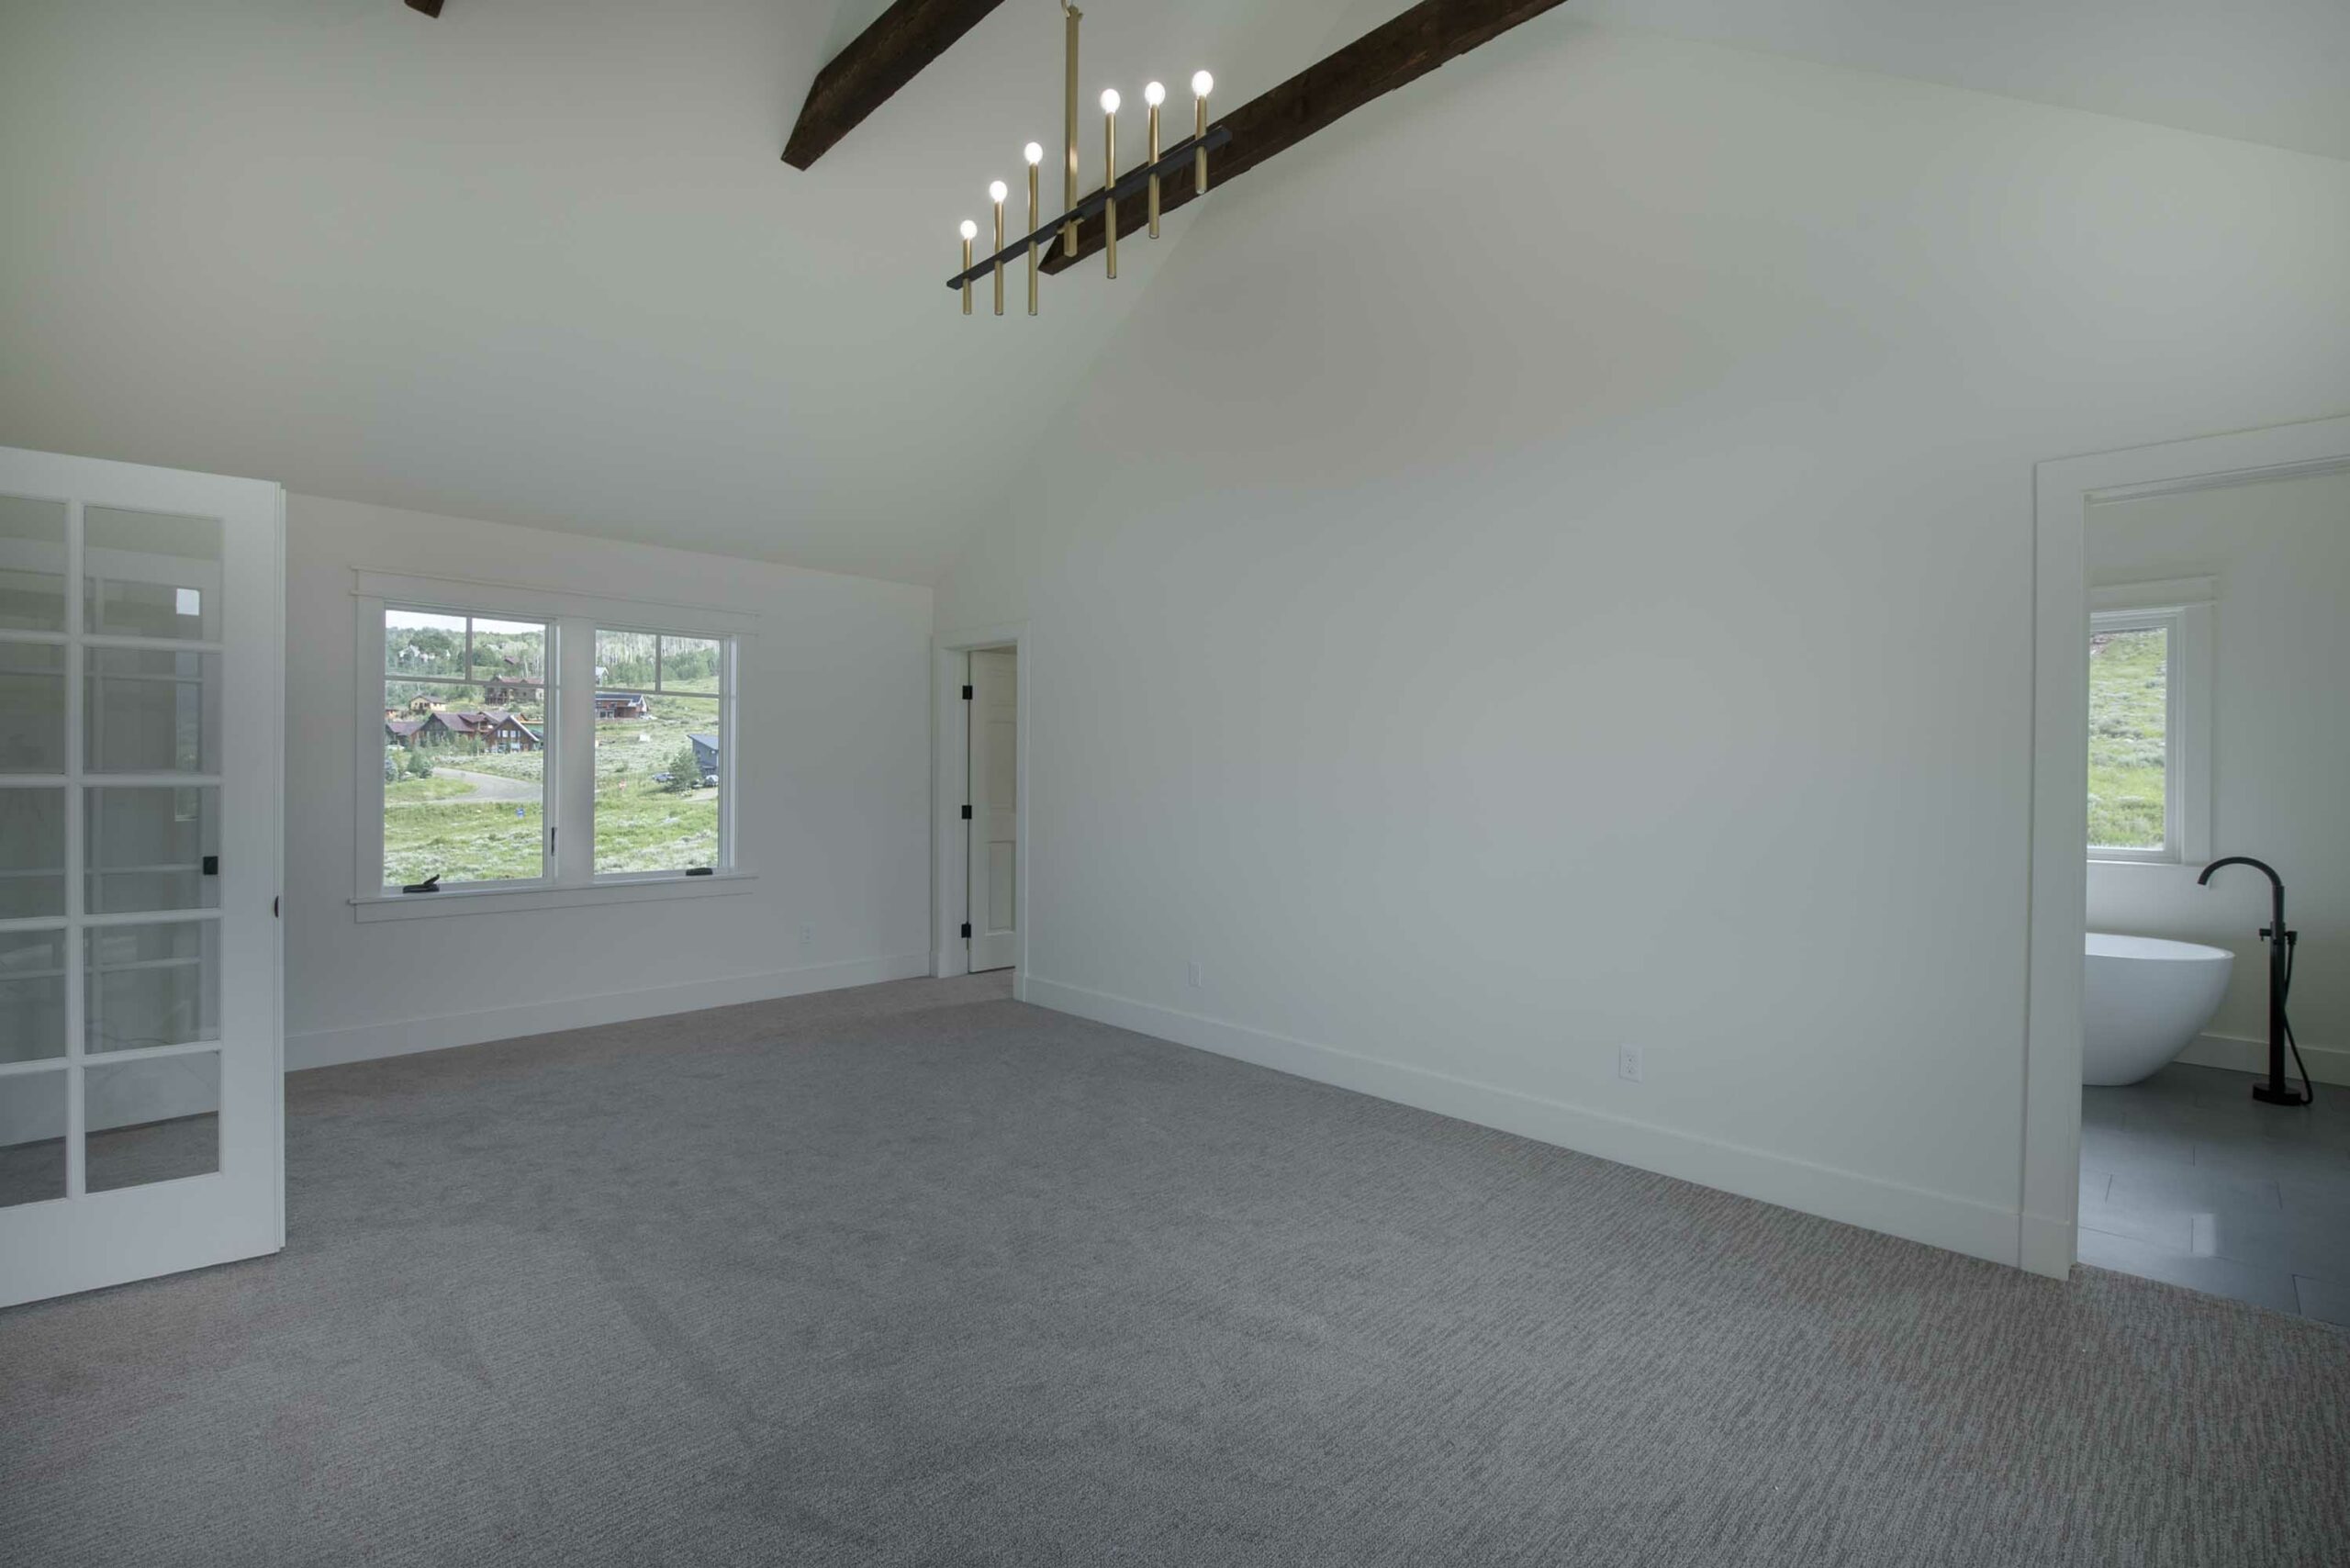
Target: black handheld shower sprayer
{"type": "Point", "coordinates": [2282, 943]}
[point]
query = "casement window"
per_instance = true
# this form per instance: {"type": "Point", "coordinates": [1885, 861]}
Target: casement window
{"type": "Point", "coordinates": [466, 722]}
{"type": "Point", "coordinates": [2149, 722]}
{"type": "Point", "coordinates": [663, 703]}
{"type": "Point", "coordinates": [520, 749]}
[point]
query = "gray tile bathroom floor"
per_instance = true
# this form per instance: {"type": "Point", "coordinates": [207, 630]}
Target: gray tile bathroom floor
{"type": "Point", "coordinates": [2185, 1178]}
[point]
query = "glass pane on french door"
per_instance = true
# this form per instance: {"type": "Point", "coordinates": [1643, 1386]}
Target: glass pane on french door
{"type": "Point", "coordinates": [139, 776]}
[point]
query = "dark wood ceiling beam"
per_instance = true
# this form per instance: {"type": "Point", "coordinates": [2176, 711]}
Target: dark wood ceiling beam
{"type": "Point", "coordinates": [1386, 58]}
{"type": "Point", "coordinates": [885, 57]}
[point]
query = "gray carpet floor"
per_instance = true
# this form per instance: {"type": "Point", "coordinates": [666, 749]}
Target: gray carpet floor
{"type": "Point", "coordinates": [917, 1275]}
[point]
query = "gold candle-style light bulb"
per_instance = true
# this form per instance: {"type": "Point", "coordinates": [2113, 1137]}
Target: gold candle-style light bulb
{"type": "Point", "coordinates": [970, 232]}
{"type": "Point", "coordinates": [1154, 95]}
{"type": "Point", "coordinates": [1110, 174]}
{"type": "Point", "coordinates": [1036, 162]}
{"type": "Point", "coordinates": [997, 191]}
{"type": "Point", "coordinates": [1202, 85]}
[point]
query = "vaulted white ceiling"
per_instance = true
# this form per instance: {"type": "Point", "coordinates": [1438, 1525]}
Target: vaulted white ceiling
{"type": "Point", "coordinates": [539, 261]}
{"type": "Point", "coordinates": [2266, 71]}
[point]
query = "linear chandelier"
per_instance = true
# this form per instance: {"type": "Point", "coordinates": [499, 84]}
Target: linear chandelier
{"type": "Point", "coordinates": [1140, 180]}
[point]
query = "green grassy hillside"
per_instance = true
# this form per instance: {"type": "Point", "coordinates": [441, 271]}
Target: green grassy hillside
{"type": "Point", "coordinates": [2128, 719]}
{"type": "Point", "coordinates": [643, 821]}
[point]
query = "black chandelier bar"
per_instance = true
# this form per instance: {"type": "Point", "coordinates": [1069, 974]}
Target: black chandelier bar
{"type": "Point", "coordinates": [1132, 183]}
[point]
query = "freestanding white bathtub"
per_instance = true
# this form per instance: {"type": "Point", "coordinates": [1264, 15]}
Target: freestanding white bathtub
{"type": "Point", "coordinates": [2146, 1002]}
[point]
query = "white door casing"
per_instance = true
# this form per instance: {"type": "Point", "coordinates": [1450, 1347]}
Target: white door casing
{"type": "Point", "coordinates": [2065, 490]}
{"type": "Point", "coordinates": [994, 828]}
{"type": "Point", "coordinates": [141, 667]}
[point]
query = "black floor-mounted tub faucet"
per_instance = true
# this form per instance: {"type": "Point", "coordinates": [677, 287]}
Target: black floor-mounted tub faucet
{"type": "Point", "coordinates": [2276, 1091]}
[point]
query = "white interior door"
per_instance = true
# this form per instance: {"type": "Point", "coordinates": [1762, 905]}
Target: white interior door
{"type": "Point", "coordinates": [994, 881]}
{"type": "Point", "coordinates": [141, 716]}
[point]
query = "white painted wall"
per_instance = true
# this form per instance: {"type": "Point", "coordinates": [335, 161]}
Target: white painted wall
{"type": "Point", "coordinates": [1548, 565]}
{"type": "Point", "coordinates": [2280, 552]}
{"type": "Point", "coordinates": [836, 692]}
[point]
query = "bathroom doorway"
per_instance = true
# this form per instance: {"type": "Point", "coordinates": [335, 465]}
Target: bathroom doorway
{"type": "Point", "coordinates": [2200, 770]}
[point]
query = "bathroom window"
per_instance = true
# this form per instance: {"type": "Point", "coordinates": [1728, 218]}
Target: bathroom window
{"type": "Point", "coordinates": [2150, 722]}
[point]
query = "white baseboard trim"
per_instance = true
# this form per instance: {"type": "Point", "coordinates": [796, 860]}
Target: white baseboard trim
{"type": "Point", "coordinates": [1960, 1224]}
{"type": "Point", "coordinates": [366, 1042]}
{"type": "Point", "coordinates": [2049, 1246]}
{"type": "Point", "coordinates": [2239, 1054]}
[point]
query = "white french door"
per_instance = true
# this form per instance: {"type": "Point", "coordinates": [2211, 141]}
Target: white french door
{"type": "Point", "coordinates": [141, 758]}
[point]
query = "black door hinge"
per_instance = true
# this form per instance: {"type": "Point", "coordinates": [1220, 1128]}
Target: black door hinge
{"type": "Point", "coordinates": [967, 931]}
{"type": "Point", "coordinates": [968, 694]}
{"type": "Point", "coordinates": [967, 813]}
{"type": "Point", "coordinates": [212, 864]}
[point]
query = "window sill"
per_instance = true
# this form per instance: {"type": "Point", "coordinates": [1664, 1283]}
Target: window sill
{"type": "Point", "coordinates": [508, 901]}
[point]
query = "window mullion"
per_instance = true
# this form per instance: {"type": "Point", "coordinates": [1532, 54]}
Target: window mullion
{"type": "Point", "coordinates": [369, 693]}
{"type": "Point", "coordinates": [729, 766]}
{"type": "Point", "coordinates": [572, 790]}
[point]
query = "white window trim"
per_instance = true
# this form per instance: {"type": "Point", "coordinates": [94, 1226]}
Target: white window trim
{"type": "Point", "coordinates": [481, 597]}
{"type": "Point", "coordinates": [2185, 607]}
{"type": "Point", "coordinates": [571, 621]}
{"type": "Point", "coordinates": [504, 899]}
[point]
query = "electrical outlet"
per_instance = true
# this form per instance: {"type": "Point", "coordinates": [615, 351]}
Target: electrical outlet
{"type": "Point", "coordinates": [1194, 975]}
{"type": "Point", "coordinates": [807, 937]}
{"type": "Point", "coordinates": [1627, 1063]}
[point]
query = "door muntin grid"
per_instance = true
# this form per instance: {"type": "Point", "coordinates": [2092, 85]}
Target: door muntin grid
{"type": "Point", "coordinates": [111, 699]}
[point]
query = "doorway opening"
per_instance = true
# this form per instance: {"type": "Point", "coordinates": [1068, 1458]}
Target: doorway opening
{"type": "Point", "coordinates": [980, 838]}
{"type": "Point", "coordinates": [2188, 657]}
{"type": "Point", "coordinates": [992, 813]}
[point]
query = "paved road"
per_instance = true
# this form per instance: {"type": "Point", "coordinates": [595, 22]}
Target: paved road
{"type": "Point", "coordinates": [490, 787]}
{"type": "Point", "coordinates": [486, 787]}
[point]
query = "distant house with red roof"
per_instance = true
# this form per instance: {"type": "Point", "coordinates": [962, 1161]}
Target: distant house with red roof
{"type": "Point", "coordinates": [512, 690]}
{"type": "Point", "coordinates": [490, 728]}
{"type": "Point", "coordinates": [620, 705]}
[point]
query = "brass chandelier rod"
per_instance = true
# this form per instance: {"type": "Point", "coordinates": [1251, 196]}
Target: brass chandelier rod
{"type": "Point", "coordinates": [1069, 181]}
